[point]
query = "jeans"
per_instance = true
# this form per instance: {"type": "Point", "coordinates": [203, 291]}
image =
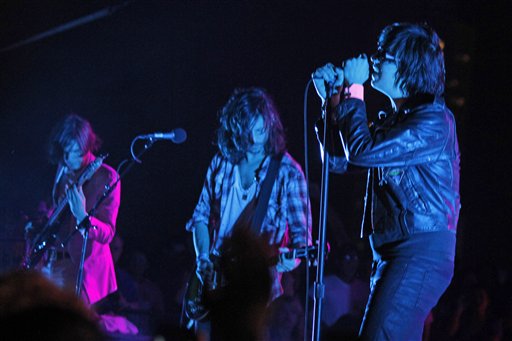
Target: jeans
{"type": "Point", "coordinates": [404, 287]}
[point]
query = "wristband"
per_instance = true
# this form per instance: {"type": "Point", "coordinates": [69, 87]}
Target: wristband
{"type": "Point", "coordinates": [355, 91]}
{"type": "Point", "coordinates": [85, 223]}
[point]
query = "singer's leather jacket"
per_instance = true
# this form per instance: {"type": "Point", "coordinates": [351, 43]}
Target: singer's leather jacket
{"type": "Point", "coordinates": [413, 166]}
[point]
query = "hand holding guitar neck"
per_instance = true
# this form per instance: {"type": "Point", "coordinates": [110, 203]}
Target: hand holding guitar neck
{"type": "Point", "coordinates": [76, 200]}
{"type": "Point", "coordinates": [287, 260]}
{"type": "Point", "coordinates": [48, 235]}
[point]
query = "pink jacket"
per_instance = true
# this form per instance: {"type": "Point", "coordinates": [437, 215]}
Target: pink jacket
{"type": "Point", "coordinates": [99, 278]}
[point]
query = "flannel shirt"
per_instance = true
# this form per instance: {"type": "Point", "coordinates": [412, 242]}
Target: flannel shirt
{"type": "Point", "coordinates": [288, 217]}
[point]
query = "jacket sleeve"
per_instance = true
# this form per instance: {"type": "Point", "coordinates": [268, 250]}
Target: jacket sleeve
{"type": "Point", "coordinates": [420, 137]}
{"type": "Point", "coordinates": [298, 210]}
{"type": "Point", "coordinates": [105, 216]}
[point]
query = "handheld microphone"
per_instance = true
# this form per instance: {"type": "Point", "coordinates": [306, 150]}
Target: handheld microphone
{"type": "Point", "coordinates": [177, 136]}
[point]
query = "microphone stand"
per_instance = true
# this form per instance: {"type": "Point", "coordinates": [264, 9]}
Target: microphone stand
{"type": "Point", "coordinates": [86, 224]}
{"type": "Point", "coordinates": [319, 288]}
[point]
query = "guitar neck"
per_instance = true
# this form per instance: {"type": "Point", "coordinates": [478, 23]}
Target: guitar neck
{"type": "Point", "coordinates": [84, 176]}
{"type": "Point", "coordinates": [57, 211]}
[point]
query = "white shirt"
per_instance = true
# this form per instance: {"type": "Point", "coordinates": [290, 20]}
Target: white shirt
{"type": "Point", "coordinates": [237, 200]}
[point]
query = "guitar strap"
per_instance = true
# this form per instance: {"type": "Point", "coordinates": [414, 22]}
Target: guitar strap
{"type": "Point", "coordinates": [253, 214]}
{"type": "Point", "coordinates": [266, 190]}
{"type": "Point", "coordinates": [60, 171]}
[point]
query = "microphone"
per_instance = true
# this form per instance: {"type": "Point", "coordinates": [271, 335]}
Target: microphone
{"type": "Point", "coordinates": [177, 135]}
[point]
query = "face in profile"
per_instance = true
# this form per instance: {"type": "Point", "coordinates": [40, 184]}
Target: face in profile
{"type": "Point", "coordinates": [74, 158]}
{"type": "Point", "coordinates": [384, 75]}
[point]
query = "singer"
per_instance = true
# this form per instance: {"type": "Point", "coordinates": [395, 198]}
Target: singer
{"type": "Point", "coordinates": [71, 147]}
{"type": "Point", "coordinates": [412, 157]}
{"type": "Point", "coordinates": [251, 145]}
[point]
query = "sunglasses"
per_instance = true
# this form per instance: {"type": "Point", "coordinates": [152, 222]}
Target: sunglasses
{"type": "Point", "coordinates": [382, 56]}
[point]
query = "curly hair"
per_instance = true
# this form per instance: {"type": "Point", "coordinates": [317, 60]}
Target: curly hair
{"type": "Point", "coordinates": [237, 118]}
{"type": "Point", "coordinates": [72, 128]}
{"type": "Point", "coordinates": [419, 54]}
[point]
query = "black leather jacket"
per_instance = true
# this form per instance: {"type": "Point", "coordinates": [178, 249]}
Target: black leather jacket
{"type": "Point", "coordinates": [413, 166]}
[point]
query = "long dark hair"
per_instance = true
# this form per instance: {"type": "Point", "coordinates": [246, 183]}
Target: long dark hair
{"type": "Point", "coordinates": [237, 118]}
{"type": "Point", "coordinates": [419, 54]}
{"type": "Point", "coordinates": [72, 128]}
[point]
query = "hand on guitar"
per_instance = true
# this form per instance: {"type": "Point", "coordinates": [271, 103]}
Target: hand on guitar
{"type": "Point", "coordinates": [287, 260]}
{"type": "Point", "coordinates": [76, 199]}
{"type": "Point", "coordinates": [204, 270]}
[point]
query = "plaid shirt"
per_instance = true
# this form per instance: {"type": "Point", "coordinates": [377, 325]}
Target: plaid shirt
{"type": "Point", "coordinates": [288, 218]}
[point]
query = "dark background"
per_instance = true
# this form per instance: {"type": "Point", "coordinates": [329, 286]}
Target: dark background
{"type": "Point", "coordinates": [157, 65]}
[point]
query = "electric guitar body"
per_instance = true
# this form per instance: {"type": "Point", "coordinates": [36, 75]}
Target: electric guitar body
{"type": "Point", "coordinates": [195, 301]}
{"type": "Point", "coordinates": [48, 235]}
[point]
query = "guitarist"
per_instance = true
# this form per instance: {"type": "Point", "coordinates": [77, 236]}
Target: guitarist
{"type": "Point", "coordinates": [71, 147]}
{"type": "Point", "coordinates": [249, 136]}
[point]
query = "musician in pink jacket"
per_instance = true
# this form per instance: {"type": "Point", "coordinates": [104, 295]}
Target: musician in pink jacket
{"type": "Point", "coordinates": [72, 146]}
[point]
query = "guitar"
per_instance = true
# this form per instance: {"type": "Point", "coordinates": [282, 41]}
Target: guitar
{"type": "Point", "coordinates": [193, 301]}
{"type": "Point", "coordinates": [48, 235]}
